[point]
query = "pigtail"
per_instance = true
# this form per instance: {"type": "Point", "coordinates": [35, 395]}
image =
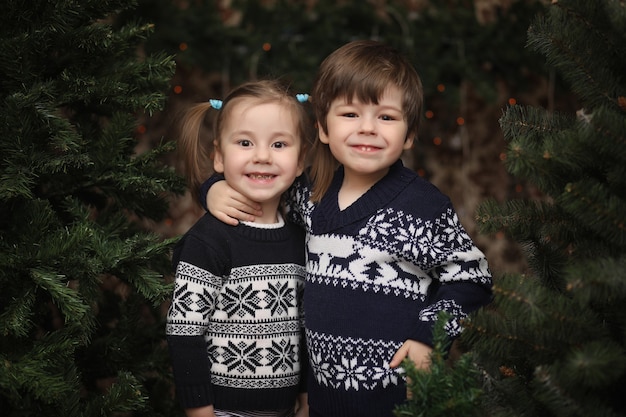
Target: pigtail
{"type": "Point", "coordinates": [195, 145]}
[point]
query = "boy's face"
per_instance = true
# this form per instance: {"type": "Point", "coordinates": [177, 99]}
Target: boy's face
{"type": "Point", "coordinates": [367, 138]}
{"type": "Point", "coordinates": [259, 151]}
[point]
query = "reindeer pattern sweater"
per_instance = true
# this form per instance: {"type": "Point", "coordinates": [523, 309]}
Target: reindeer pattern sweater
{"type": "Point", "coordinates": [378, 273]}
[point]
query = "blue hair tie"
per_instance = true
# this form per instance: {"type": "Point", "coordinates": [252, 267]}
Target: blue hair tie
{"type": "Point", "coordinates": [216, 104]}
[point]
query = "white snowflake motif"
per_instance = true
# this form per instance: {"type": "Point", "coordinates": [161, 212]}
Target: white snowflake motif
{"type": "Point", "coordinates": [350, 373]}
{"type": "Point", "coordinates": [321, 369]}
{"type": "Point", "coordinates": [384, 375]}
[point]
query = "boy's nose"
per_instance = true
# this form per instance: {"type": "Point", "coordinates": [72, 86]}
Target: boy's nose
{"type": "Point", "coordinates": [367, 125]}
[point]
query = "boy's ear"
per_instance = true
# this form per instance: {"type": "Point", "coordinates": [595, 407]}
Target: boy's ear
{"type": "Point", "coordinates": [322, 135]}
{"type": "Point", "coordinates": [218, 159]}
{"type": "Point", "coordinates": [408, 142]}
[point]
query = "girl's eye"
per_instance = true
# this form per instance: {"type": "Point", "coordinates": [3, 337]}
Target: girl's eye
{"type": "Point", "coordinates": [279, 145]}
{"type": "Point", "coordinates": [244, 142]}
{"type": "Point", "coordinates": [349, 115]}
{"type": "Point", "coordinates": [387, 117]}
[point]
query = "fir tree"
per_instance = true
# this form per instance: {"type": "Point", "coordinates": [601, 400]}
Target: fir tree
{"type": "Point", "coordinates": [81, 280]}
{"type": "Point", "coordinates": [554, 341]}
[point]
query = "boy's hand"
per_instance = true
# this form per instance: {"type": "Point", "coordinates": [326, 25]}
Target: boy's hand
{"type": "Point", "coordinates": [230, 206]}
{"type": "Point", "coordinates": [418, 352]}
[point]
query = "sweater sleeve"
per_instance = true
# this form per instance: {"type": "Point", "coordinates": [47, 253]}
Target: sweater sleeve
{"type": "Point", "coordinates": [193, 302]}
{"type": "Point", "coordinates": [204, 188]}
{"type": "Point", "coordinates": [461, 277]}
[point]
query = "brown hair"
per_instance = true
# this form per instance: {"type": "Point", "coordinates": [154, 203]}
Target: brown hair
{"type": "Point", "coordinates": [361, 69]}
{"type": "Point", "coordinates": [196, 150]}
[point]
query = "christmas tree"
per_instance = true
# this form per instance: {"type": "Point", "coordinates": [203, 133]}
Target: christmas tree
{"type": "Point", "coordinates": [81, 333]}
{"type": "Point", "coordinates": [554, 341]}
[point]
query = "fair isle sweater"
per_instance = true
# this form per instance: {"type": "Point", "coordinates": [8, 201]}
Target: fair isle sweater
{"type": "Point", "coordinates": [234, 328]}
{"type": "Point", "coordinates": [378, 273]}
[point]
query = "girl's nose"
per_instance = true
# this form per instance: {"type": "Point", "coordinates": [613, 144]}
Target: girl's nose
{"type": "Point", "coordinates": [262, 156]}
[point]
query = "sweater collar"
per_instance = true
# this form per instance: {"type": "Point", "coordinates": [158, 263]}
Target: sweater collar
{"type": "Point", "coordinates": [327, 215]}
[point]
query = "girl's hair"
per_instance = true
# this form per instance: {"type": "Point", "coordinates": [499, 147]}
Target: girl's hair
{"type": "Point", "coordinates": [363, 70]}
{"type": "Point", "coordinates": [196, 148]}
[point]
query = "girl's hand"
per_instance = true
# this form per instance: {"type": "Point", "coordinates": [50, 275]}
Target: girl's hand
{"type": "Point", "coordinates": [302, 408]}
{"type": "Point", "coordinates": [229, 206]}
{"type": "Point", "coordinates": [418, 352]}
{"type": "Point", "coordinates": [206, 411]}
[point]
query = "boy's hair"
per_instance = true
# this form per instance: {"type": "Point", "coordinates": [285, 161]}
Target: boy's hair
{"type": "Point", "coordinates": [196, 150]}
{"type": "Point", "coordinates": [363, 70]}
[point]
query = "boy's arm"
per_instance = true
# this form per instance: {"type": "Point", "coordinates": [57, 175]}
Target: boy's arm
{"type": "Point", "coordinates": [461, 277]}
{"type": "Point", "coordinates": [225, 203]}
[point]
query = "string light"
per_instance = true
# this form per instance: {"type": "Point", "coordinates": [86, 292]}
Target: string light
{"type": "Point", "coordinates": [178, 89]}
{"type": "Point", "coordinates": [429, 114]}
{"type": "Point", "coordinates": [267, 46]}
{"type": "Point", "coordinates": [183, 46]}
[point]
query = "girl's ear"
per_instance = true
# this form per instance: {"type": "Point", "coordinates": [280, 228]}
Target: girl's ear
{"type": "Point", "coordinates": [218, 159]}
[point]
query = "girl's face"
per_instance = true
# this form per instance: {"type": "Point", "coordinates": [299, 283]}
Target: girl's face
{"type": "Point", "coordinates": [367, 138]}
{"type": "Point", "coordinates": [259, 152]}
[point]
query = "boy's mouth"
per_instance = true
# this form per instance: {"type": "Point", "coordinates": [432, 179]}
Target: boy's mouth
{"type": "Point", "coordinates": [366, 148]}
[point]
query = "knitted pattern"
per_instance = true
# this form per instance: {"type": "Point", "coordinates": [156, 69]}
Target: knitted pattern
{"type": "Point", "coordinates": [378, 273]}
{"type": "Point", "coordinates": [234, 327]}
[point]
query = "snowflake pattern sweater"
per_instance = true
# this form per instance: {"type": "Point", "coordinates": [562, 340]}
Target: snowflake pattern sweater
{"type": "Point", "coordinates": [234, 328]}
{"type": "Point", "coordinates": [378, 273]}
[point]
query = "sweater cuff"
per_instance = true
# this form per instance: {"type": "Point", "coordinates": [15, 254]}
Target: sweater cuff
{"type": "Point", "coordinates": [204, 188]}
{"type": "Point", "coordinates": [193, 396]}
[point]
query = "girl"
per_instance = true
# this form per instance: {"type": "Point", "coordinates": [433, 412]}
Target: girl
{"type": "Point", "coordinates": [385, 249]}
{"type": "Point", "coordinates": [234, 328]}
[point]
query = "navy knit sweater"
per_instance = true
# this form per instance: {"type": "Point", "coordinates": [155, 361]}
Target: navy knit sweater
{"type": "Point", "coordinates": [234, 328]}
{"type": "Point", "coordinates": [378, 273]}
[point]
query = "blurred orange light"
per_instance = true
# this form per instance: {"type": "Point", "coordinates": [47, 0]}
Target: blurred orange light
{"type": "Point", "coordinates": [141, 129]}
{"type": "Point", "coordinates": [512, 101]}
{"type": "Point", "coordinates": [460, 121]}
{"type": "Point", "coordinates": [503, 156]}
{"type": "Point", "coordinates": [183, 46]}
{"type": "Point", "coordinates": [429, 114]}
{"type": "Point", "coordinates": [267, 46]}
{"type": "Point", "coordinates": [178, 89]}
{"type": "Point", "coordinates": [441, 88]}
{"type": "Point", "coordinates": [437, 140]}
{"type": "Point", "coordinates": [421, 172]}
